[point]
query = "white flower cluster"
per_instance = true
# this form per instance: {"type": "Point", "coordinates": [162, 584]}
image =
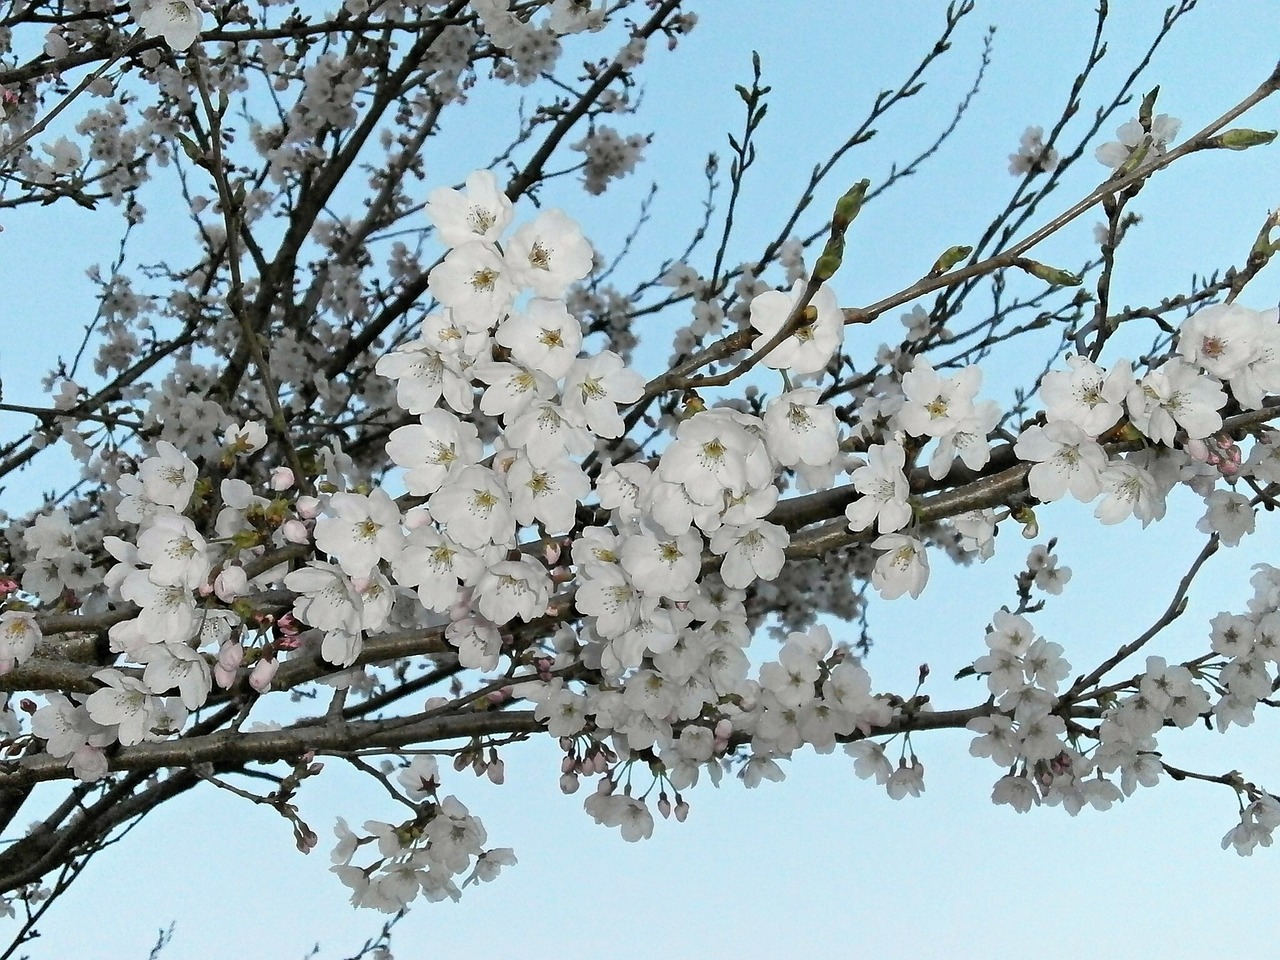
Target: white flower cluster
{"type": "Point", "coordinates": [1026, 734]}
{"type": "Point", "coordinates": [518, 485]}
{"type": "Point", "coordinates": [422, 856]}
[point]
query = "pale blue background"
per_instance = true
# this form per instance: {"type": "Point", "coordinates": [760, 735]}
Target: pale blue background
{"type": "Point", "coordinates": [822, 863]}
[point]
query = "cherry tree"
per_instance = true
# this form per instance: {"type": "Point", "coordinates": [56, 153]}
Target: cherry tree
{"type": "Point", "coordinates": [374, 469]}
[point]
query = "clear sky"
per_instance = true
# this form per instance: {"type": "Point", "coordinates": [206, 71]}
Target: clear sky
{"type": "Point", "coordinates": [822, 863]}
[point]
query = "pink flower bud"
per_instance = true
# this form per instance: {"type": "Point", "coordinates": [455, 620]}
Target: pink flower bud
{"type": "Point", "coordinates": [569, 783]}
{"type": "Point", "coordinates": [417, 518]}
{"type": "Point", "coordinates": [664, 806]}
{"type": "Point", "coordinates": [231, 655]}
{"type": "Point", "coordinates": [551, 553]}
{"type": "Point", "coordinates": [682, 811]}
{"type": "Point", "coordinates": [295, 531]}
{"type": "Point", "coordinates": [308, 507]}
{"type": "Point", "coordinates": [232, 582]}
{"type": "Point", "coordinates": [496, 772]}
{"type": "Point", "coordinates": [724, 729]}
{"type": "Point", "coordinates": [263, 672]}
{"type": "Point", "coordinates": [567, 764]}
{"type": "Point", "coordinates": [281, 478]}
{"type": "Point", "coordinates": [1198, 450]}
{"type": "Point", "coordinates": [223, 677]}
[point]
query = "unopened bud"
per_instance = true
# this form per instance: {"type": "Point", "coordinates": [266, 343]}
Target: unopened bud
{"type": "Point", "coordinates": [1042, 271]}
{"type": "Point", "coordinates": [950, 257]}
{"type": "Point", "coordinates": [231, 583]}
{"type": "Point", "coordinates": [830, 259]}
{"type": "Point", "coordinates": [263, 672]}
{"type": "Point", "coordinates": [308, 507]}
{"type": "Point", "coordinates": [848, 207]}
{"type": "Point", "coordinates": [1027, 517]}
{"type": "Point", "coordinates": [1242, 139]}
{"type": "Point", "coordinates": [295, 531]}
{"type": "Point", "coordinates": [1148, 108]}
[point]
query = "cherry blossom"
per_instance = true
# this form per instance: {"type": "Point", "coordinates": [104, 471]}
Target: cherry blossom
{"type": "Point", "coordinates": [384, 478]}
{"type": "Point", "coordinates": [1066, 460]}
{"type": "Point", "coordinates": [817, 335]}
{"type": "Point", "coordinates": [1132, 135]}
{"type": "Point", "coordinates": [884, 490]}
{"type": "Point", "coordinates": [903, 566]}
{"type": "Point", "coordinates": [178, 22]}
{"type": "Point", "coordinates": [480, 212]}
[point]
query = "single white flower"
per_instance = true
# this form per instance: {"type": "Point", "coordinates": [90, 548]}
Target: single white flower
{"type": "Point", "coordinates": [1174, 395]}
{"type": "Point", "coordinates": [1230, 516]}
{"type": "Point", "coordinates": [596, 386]}
{"type": "Point", "coordinates": [821, 331]}
{"type": "Point", "coordinates": [903, 566]}
{"type": "Point", "coordinates": [544, 337]}
{"type": "Point", "coordinates": [125, 702]}
{"type": "Point", "coordinates": [800, 429]}
{"type": "Point", "coordinates": [549, 254]}
{"type": "Point", "coordinates": [168, 478]}
{"type": "Point", "coordinates": [480, 212]}
{"type": "Point", "coordinates": [884, 490]}
{"type": "Point", "coordinates": [754, 551]}
{"type": "Point", "coordinates": [1087, 395]}
{"type": "Point", "coordinates": [934, 405]}
{"type": "Point", "coordinates": [19, 634]}
{"type": "Point", "coordinates": [360, 531]}
{"type": "Point", "coordinates": [1164, 129]}
{"type": "Point", "coordinates": [475, 508]}
{"type": "Point", "coordinates": [513, 588]}
{"type": "Point", "coordinates": [1033, 156]}
{"type": "Point", "coordinates": [1066, 459]}
{"type": "Point", "coordinates": [178, 22]}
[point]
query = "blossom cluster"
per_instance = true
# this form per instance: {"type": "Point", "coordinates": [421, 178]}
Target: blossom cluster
{"type": "Point", "coordinates": [479, 542]}
{"type": "Point", "coordinates": [525, 503]}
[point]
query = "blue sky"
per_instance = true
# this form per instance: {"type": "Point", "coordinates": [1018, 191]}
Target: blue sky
{"type": "Point", "coordinates": [822, 862]}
